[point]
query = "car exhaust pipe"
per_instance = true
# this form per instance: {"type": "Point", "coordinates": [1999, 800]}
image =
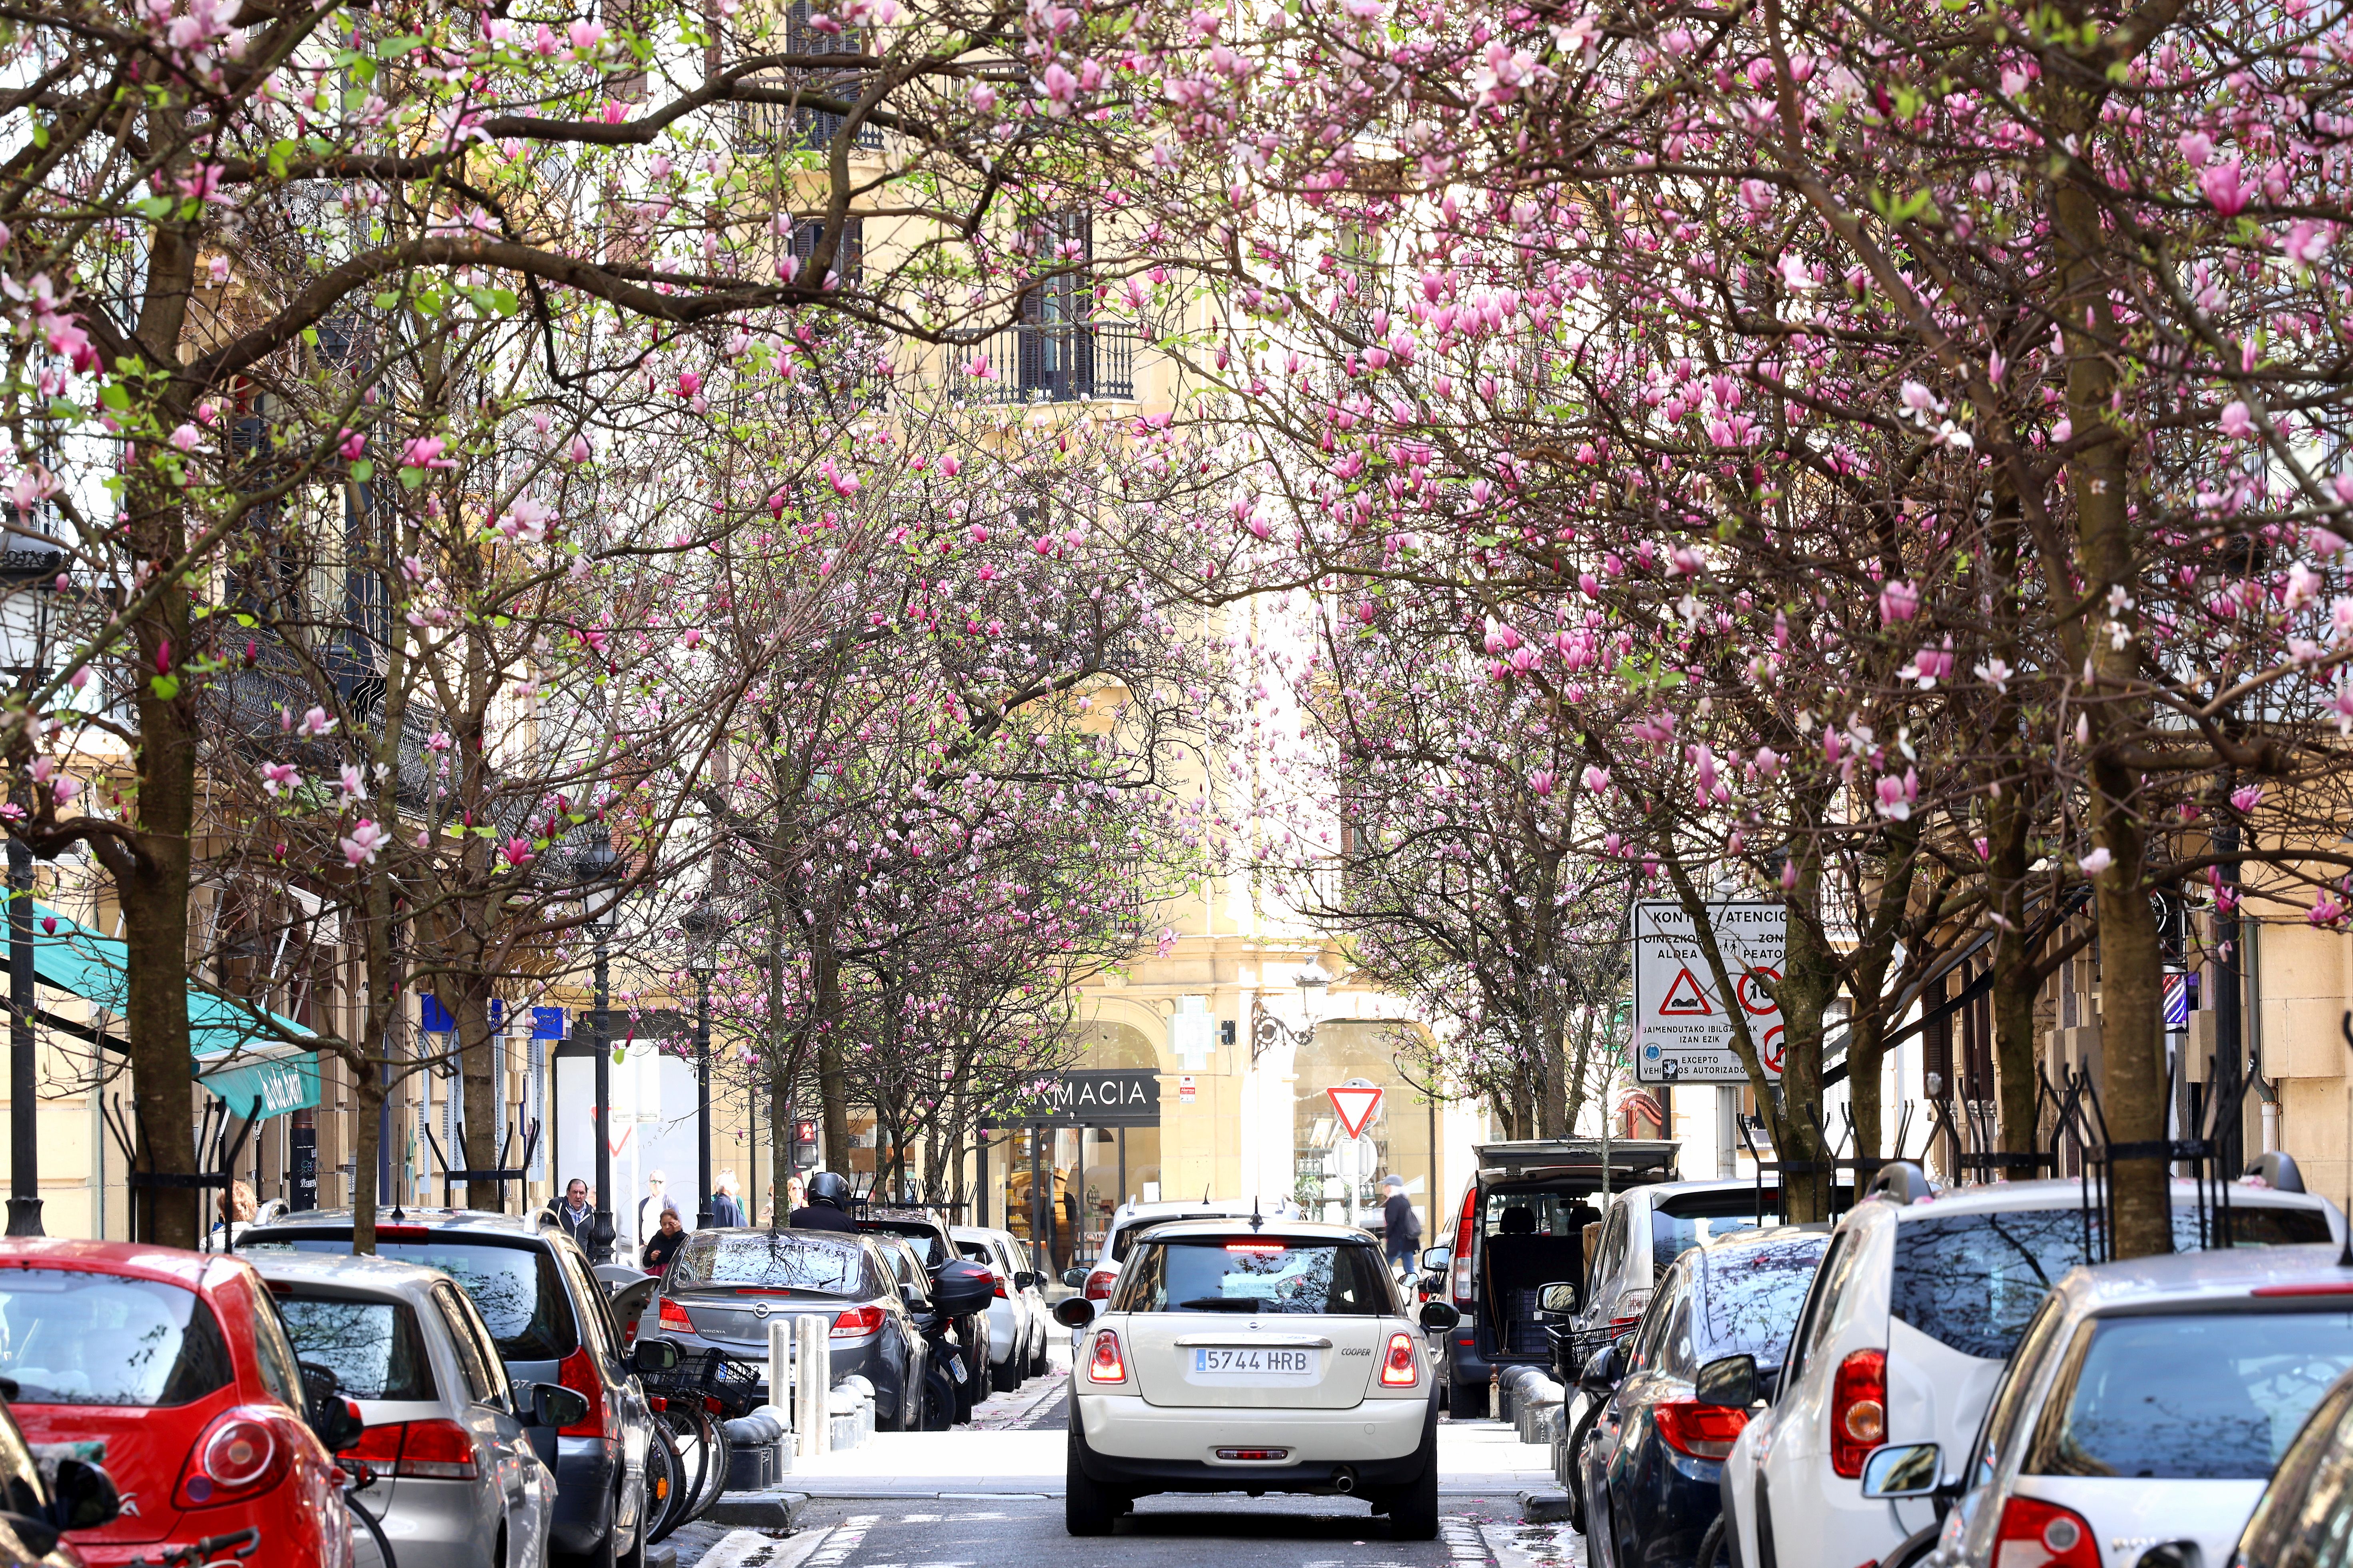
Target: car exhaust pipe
{"type": "Point", "coordinates": [1344, 1480]}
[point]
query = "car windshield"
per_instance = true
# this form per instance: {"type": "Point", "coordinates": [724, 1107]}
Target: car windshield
{"type": "Point", "coordinates": [2189, 1397]}
{"type": "Point", "coordinates": [779, 1259]}
{"type": "Point", "coordinates": [69, 1337]}
{"type": "Point", "coordinates": [977, 1252]}
{"type": "Point", "coordinates": [374, 1346]}
{"type": "Point", "coordinates": [1747, 1298]}
{"type": "Point", "coordinates": [1973, 1280]}
{"type": "Point", "coordinates": [516, 1289]}
{"type": "Point", "coordinates": [1247, 1273]}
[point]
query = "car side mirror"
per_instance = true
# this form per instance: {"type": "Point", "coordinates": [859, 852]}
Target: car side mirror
{"type": "Point", "coordinates": [1076, 1278]}
{"type": "Point", "coordinates": [82, 1497]}
{"type": "Point", "coordinates": [38, 1537]}
{"type": "Point", "coordinates": [1074, 1311]}
{"type": "Point", "coordinates": [652, 1355]}
{"type": "Point", "coordinates": [1559, 1299]}
{"type": "Point", "coordinates": [1439, 1315]}
{"type": "Point", "coordinates": [1602, 1370]}
{"type": "Point", "coordinates": [1729, 1381]}
{"type": "Point", "coordinates": [334, 1418]}
{"type": "Point", "coordinates": [1436, 1257]}
{"type": "Point", "coordinates": [553, 1404]}
{"type": "Point", "coordinates": [1025, 1280]}
{"type": "Point", "coordinates": [1913, 1470]}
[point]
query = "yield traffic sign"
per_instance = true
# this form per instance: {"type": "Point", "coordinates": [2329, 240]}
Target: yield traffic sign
{"type": "Point", "coordinates": [1354, 1104]}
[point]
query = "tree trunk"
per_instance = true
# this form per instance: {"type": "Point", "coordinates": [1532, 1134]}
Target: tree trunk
{"type": "Point", "coordinates": [476, 1066]}
{"type": "Point", "coordinates": [153, 885]}
{"type": "Point", "coordinates": [368, 1095]}
{"type": "Point", "coordinates": [2015, 980]}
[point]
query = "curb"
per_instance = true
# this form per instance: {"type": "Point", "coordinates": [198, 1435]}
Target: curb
{"type": "Point", "coordinates": [1543, 1507]}
{"type": "Point", "coordinates": [758, 1511]}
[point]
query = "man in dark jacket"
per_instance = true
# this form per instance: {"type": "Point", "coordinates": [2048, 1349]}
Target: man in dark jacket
{"type": "Point", "coordinates": [829, 1206]}
{"type": "Point", "coordinates": [1401, 1230]}
{"type": "Point", "coordinates": [573, 1211]}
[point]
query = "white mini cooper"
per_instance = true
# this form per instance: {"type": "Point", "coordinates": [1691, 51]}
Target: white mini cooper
{"type": "Point", "coordinates": [1254, 1357]}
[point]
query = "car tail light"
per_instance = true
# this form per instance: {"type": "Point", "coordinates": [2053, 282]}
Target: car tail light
{"type": "Point", "coordinates": [1099, 1284]}
{"type": "Point", "coordinates": [1104, 1363]}
{"type": "Point", "coordinates": [2038, 1534]}
{"type": "Point", "coordinates": [1632, 1305]}
{"type": "Point", "coordinates": [1702, 1431]}
{"type": "Point", "coordinates": [857, 1323]}
{"type": "Point", "coordinates": [577, 1373]}
{"type": "Point", "coordinates": [1465, 1232]}
{"type": "Point", "coordinates": [404, 1233]}
{"type": "Point", "coordinates": [436, 1451]}
{"type": "Point", "coordinates": [1400, 1368]}
{"type": "Point", "coordinates": [242, 1454]}
{"type": "Point", "coordinates": [1858, 1411]}
{"type": "Point", "coordinates": [377, 1445]}
{"type": "Point", "coordinates": [673, 1316]}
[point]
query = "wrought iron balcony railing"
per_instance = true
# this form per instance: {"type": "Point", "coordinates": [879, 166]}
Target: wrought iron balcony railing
{"type": "Point", "coordinates": [1055, 362]}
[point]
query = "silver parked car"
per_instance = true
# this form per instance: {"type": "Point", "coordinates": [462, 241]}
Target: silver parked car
{"type": "Point", "coordinates": [1017, 1323]}
{"type": "Point", "coordinates": [458, 1484]}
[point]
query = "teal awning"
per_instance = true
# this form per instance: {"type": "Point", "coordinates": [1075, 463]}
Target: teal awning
{"type": "Point", "coordinates": [244, 1055]}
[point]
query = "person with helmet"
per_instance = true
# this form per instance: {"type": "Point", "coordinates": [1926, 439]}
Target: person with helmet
{"type": "Point", "coordinates": [829, 1206]}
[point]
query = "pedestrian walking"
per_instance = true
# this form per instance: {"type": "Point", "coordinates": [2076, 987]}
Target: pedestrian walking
{"type": "Point", "coordinates": [724, 1209]}
{"type": "Point", "coordinates": [573, 1211]}
{"type": "Point", "coordinates": [1400, 1227]}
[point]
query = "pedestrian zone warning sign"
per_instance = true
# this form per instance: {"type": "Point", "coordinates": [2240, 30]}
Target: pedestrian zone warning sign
{"type": "Point", "coordinates": [1683, 1028]}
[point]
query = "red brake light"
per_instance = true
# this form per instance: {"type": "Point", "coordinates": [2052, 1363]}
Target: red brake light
{"type": "Point", "coordinates": [673, 1316]}
{"type": "Point", "coordinates": [1258, 1248]}
{"type": "Point", "coordinates": [856, 1322]}
{"type": "Point", "coordinates": [1099, 1284]}
{"type": "Point", "coordinates": [2329, 1287]}
{"type": "Point", "coordinates": [1858, 1411]}
{"type": "Point", "coordinates": [404, 1233]}
{"type": "Point", "coordinates": [377, 1445]}
{"type": "Point", "coordinates": [436, 1450]}
{"type": "Point", "coordinates": [1104, 1363]}
{"type": "Point", "coordinates": [577, 1373]}
{"type": "Point", "coordinates": [2047, 1536]}
{"type": "Point", "coordinates": [1703, 1431]}
{"type": "Point", "coordinates": [245, 1452]}
{"type": "Point", "coordinates": [1400, 1368]}
{"type": "Point", "coordinates": [1465, 1233]}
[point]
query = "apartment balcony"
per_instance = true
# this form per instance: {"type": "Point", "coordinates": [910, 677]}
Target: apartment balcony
{"type": "Point", "coordinates": [772, 128]}
{"type": "Point", "coordinates": [1055, 362]}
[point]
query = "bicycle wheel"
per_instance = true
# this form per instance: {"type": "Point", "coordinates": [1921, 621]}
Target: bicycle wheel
{"type": "Point", "coordinates": [723, 1461]}
{"type": "Point", "coordinates": [693, 1452]}
{"type": "Point", "coordinates": [665, 1496]}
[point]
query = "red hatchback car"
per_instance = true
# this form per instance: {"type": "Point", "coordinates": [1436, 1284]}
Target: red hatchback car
{"type": "Point", "coordinates": [176, 1365]}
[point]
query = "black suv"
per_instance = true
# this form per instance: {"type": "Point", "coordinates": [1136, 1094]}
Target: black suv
{"type": "Point", "coordinates": [551, 1324]}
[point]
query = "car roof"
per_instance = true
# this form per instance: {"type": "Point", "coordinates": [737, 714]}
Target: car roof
{"type": "Point", "coordinates": [2229, 1274]}
{"type": "Point", "coordinates": [793, 1233]}
{"type": "Point", "coordinates": [138, 1260]}
{"type": "Point", "coordinates": [390, 1276]}
{"type": "Point", "coordinates": [1207, 1208]}
{"type": "Point", "coordinates": [1271, 1230]}
{"type": "Point", "coordinates": [527, 1227]}
{"type": "Point", "coordinates": [2067, 1193]}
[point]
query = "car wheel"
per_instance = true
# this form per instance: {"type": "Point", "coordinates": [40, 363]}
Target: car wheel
{"type": "Point", "coordinates": [1038, 1366]}
{"type": "Point", "coordinates": [938, 1411]}
{"type": "Point", "coordinates": [1004, 1376]}
{"type": "Point", "coordinates": [1467, 1400]}
{"type": "Point", "coordinates": [1087, 1509]}
{"type": "Point", "coordinates": [1713, 1551]}
{"type": "Point", "coordinates": [1413, 1507]}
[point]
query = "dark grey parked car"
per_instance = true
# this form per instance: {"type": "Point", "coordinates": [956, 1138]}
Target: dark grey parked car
{"type": "Point", "coordinates": [551, 1324]}
{"type": "Point", "coordinates": [725, 1286]}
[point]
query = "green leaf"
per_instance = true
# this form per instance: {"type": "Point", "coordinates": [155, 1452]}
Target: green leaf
{"type": "Point", "coordinates": [154, 208]}
{"type": "Point", "coordinates": [362, 470]}
{"type": "Point", "coordinates": [411, 478]}
{"type": "Point", "coordinates": [393, 48]}
{"type": "Point", "coordinates": [166, 687]}
{"type": "Point", "coordinates": [113, 396]}
{"type": "Point", "coordinates": [386, 300]}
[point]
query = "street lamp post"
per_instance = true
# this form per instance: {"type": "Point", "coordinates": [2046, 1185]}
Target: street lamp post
{"type": "Point", "coordinates": [698, 922]}
{"type": "Point", "coordinates": [594, 867]}
{"type": "Point", "coordinates": [24, 1139]}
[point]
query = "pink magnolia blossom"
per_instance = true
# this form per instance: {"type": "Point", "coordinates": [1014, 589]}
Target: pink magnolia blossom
{"type": "Point", "coordinates": [365, 841]}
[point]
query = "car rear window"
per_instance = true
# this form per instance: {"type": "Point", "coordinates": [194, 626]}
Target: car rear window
{"type": "Point", "coordinates": [924, 1240]}
{"type": "Point", "coordinates": [69, 1337]}
{"type": "Point", "coordinates": [1252, 1274]}
{"type": "Point", "coordinates": [780, 1259]}
{"type": "Point", "coordinates": [1678, 1225]}
{"type": "Point", "coordinates": [1528, 1211]}
{"type": "Point", "coordinates": [2189, 1396]}
{"type": "Point", "coordinates": [1746, 1299]}
{"type": "Point", "coordinates": [375, 1346]}
{"type": "Point", "coordinates": [977, 1252]}
{"type": "Point", "coordinates": [1973, 1280]}
{"type": "Point", "coordinates": [516, 1289]}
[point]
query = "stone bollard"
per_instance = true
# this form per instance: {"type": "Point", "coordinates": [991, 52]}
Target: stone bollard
{"type": "Point", "coordinates": [813, 1369]}
{"type": "Point", "coordinates": [780, 1364]}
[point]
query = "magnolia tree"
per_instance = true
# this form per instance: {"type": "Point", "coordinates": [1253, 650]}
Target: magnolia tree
{"type": "Point", "coordinates": [966, 790]}
{"type": "Point", "coordinates": [1968, 388]}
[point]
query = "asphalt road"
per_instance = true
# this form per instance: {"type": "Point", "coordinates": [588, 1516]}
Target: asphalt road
{"type": "Point", "coordinates": [1010, 1531]}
